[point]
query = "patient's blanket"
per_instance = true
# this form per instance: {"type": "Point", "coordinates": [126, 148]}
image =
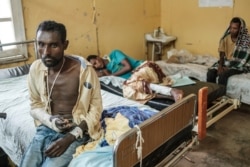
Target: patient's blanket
{"type": "Point", "coordinates": [137, 87]}
{"type": "Point", "coordinates": [132, 113]}
{"type": "Point", "coordinates": [101, 157]}
{"type": "Point", "coordinates": [115, 122]}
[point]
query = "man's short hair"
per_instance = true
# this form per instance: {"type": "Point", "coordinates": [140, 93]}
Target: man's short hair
{"type": "Point", "coordinates": [53, 26]}
{"type": "Point", "coordinates": [236, 20]}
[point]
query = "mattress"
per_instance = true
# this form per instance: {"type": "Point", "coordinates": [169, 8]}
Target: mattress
{"type": "Point", "coordinates": [192, 70]}
{"type": "Point", "coordinates": [155, 103]}
{"type": "Point", "coordinates": [238, 87]}
{"type": "Point", "coordinates": [114, 85]}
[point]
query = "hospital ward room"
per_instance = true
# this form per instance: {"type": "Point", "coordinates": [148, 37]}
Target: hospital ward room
{"type": "Point", "coordinates": [124, 83]}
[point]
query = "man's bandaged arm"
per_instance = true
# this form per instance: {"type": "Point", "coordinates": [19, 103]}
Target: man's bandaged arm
{"type": "Point", "coordinates": [44, 117]}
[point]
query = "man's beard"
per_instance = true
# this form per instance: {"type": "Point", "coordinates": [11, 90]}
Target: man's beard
{"type": "Point", "coordinates": [50, 61]}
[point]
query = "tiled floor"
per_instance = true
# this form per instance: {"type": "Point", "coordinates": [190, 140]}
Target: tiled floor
{"type": "Point", "coordinates": [227, 143]}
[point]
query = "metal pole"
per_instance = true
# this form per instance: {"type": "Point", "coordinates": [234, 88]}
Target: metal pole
{"type": "Point", "coordinates": [20, 43]}
{"type": "Point", "coordinates": [16, 43]}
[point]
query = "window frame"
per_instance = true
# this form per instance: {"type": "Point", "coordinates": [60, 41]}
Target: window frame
{"type": "Point", "coordinates": [19, 53]}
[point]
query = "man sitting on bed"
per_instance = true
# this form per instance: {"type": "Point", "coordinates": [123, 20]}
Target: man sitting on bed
{"type": "Point", "coordinates": [139, 75]}
{"type": "Point", "coordinates": [65, 100]}
{"type": "Point", "coordinates": [234, 53]}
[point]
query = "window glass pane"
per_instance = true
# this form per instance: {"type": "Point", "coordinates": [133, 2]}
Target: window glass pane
{"type": "Point", "coordinates": [5, 10]}
{"type": "Point", "coordinates": [12, 30]}
{"type": "Point", "coordinates": [7, 34]}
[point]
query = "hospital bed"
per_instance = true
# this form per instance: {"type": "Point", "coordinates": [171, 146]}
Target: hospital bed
{"type": "Point", "coordinates": [213, 104]}
{"type": "Point", "coordinates": [166, 134]}
{"type": "Point", "coordinates": [196, 67]}
{"type": "Point", "coordinates": [237, 87]}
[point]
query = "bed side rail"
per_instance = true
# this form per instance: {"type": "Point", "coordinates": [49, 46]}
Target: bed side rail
{"type": "Point", "coordinates": [155, 131]}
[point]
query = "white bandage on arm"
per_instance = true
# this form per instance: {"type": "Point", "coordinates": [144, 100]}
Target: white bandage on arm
{"type": "Point", "coordinates": [77, 132]}
{"type": "Point", "coordinates": [53, 122]}
{"type": "Point", "coordinates": [42, 116]}
{"type": "Point", "coordinates": [164, 90]}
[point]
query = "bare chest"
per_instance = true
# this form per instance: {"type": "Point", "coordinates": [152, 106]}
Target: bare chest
{"type": "Point", "coordinates": [63, 92]}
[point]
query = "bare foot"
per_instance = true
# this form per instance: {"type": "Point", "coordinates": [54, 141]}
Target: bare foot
{"type": "Point", "coordinates": [177, 94]}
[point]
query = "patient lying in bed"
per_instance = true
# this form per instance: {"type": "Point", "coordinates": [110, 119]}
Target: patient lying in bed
{"type": "Point", "coordinates": [139, 76]}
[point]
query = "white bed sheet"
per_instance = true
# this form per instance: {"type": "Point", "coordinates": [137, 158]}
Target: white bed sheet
{"type": "Point", "coordinates": [237, 87]}
{"type": "Point", "coordinates": [17, 130]}
{"type": "Point", "coordinates": [196, 71]}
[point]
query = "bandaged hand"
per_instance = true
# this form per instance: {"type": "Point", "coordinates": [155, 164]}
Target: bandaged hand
{"type": "Point", "coordinates": [60, 124]}
{"type": "Point", "coordinates": [55, 122]}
